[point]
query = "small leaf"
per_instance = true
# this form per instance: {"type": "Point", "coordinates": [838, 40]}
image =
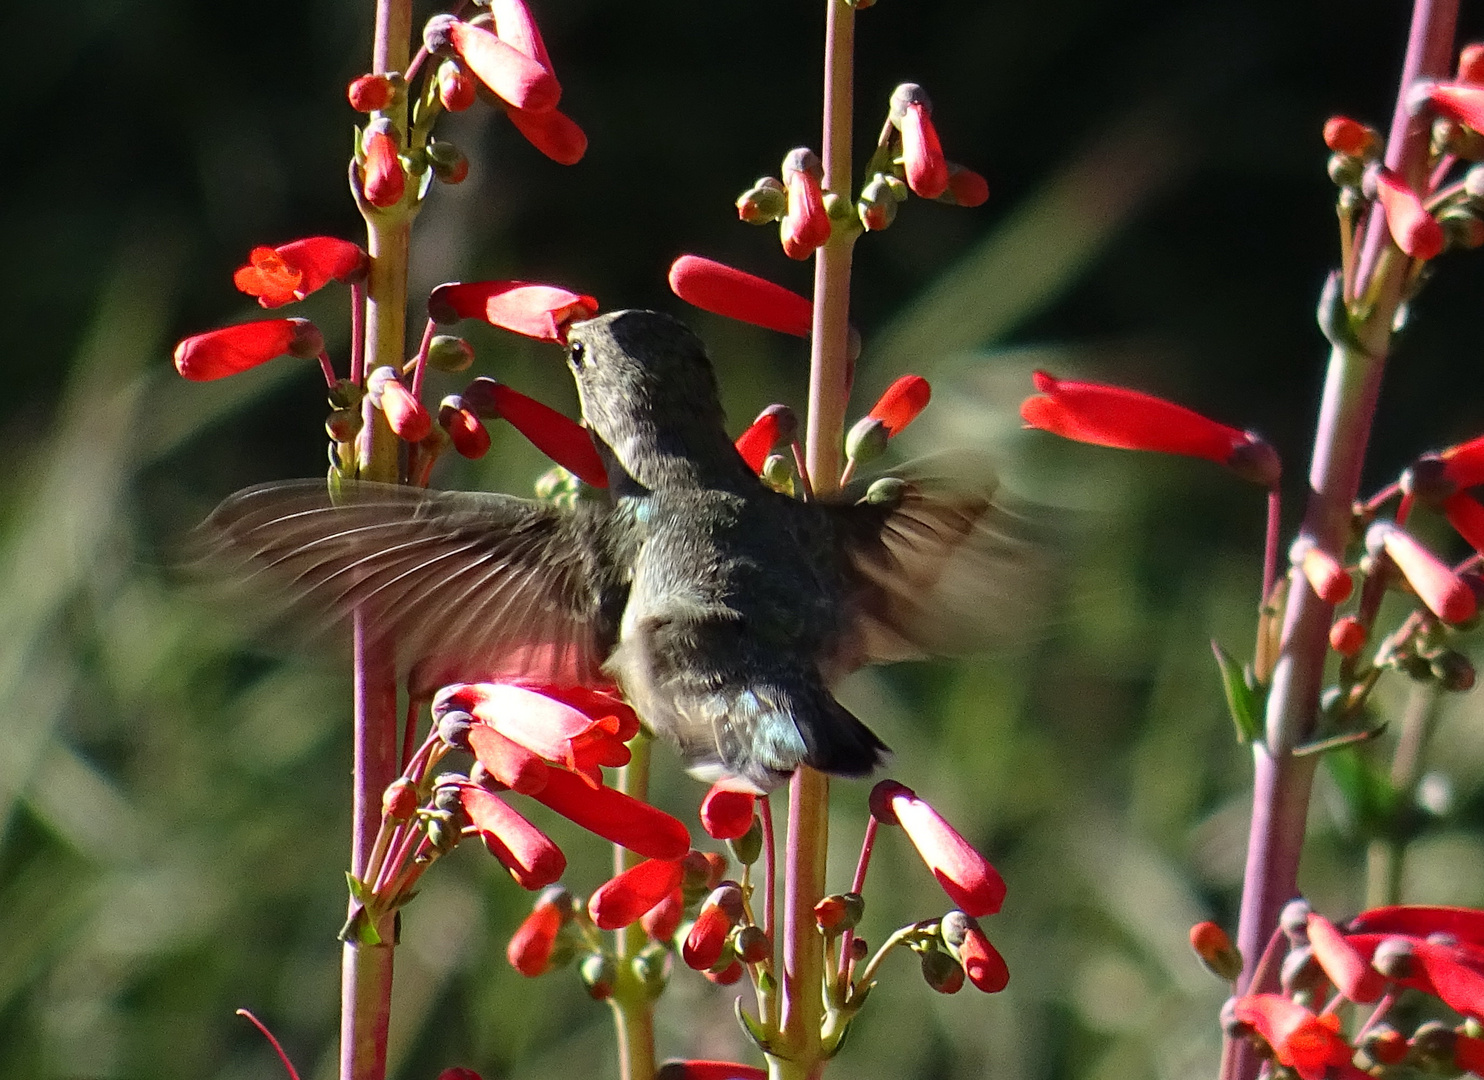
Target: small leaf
{"type": "Point", "coordinates": [1243, 702]}
{"type": "Point", "coordinates": [754, 1028]}
{"type": "Point", "coordinates": [359, 929]}
{"type": "Point", "coordinates": [360, 892]}
{"type": "Point", "coordinates": [1370, 798]}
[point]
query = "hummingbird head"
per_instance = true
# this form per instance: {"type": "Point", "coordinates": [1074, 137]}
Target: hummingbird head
{"type": "Point", "coordinates": [648, 391]}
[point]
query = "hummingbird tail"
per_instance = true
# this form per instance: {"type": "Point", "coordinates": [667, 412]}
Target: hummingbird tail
{"type": "Point", "coordinates": [836, 742]}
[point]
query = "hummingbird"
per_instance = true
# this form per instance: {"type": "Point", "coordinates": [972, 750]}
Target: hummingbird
{"type": "Point", "coordinates": [724, 610]}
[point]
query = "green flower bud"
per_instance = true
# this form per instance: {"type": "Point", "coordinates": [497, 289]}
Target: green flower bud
{"type": "Point", "coordinates": [764, 202]}
{"type": "Point", "coordinates": [652, 968]}
{"type": "Point", "coordinates": [778, 471]}
{"type": "Point", "coordinates": [867, 440]}
{"type": "Point", "coordinates": [887, 491]}
{"type": "Point", "coordinates": [747, 848]}
{"type": "Point", "coordinates": [599, 974]}
{"type": "Point", "coordinates": [1346, 171]}
{"type": "Point", "coordinates": [941, 971]}
{"type": "Point", "coordinates": [751, 945]}
{"type": "Point", "coordinates": [877, 206]}
{"type": "Point", "coordinates": [343, 425]}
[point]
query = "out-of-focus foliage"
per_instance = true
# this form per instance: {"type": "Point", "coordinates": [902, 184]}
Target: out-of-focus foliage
{"type": "Point", "coordinates": [173, 789]}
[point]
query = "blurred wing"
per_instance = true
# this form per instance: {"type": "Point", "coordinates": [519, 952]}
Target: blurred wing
{"type": "Point", "coordinates": [469, 585]}
{"type": "Point", "coordinates": [944, 570]}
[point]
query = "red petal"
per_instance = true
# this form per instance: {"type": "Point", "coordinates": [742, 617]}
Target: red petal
{"type": "Point", "coordinates": [1351, 972]}
{"type": "Point", "coordinates": [662, 920]}
{"type": "Point", "coordinates": [1128, 420]}
{"type": "Point", "coordinates": [775, 425]}
{"type": "Point", "coordinates": [902, 402]}
{"type": "Point", "coordinates": [965, 187]}
{"type": "Point", "coordinates": [552, 132]}
{"type": "Point", "coordinates": [982, 963]}
{"type": "Point", "coordinates": [1415, 231]}
{"type": "Point", "coordinates": [1346, 136]}
{"type": "Point", "coordinates": [615, 816]}
{"type": "Point", "coordinates": [1464, 464]}
{"type": "Point", "coordinates": [515, 766]}
{"type": "Point", "coordinates": [1446, 594]}
{"type": "Point", "coordinates": [456, 89]}
{"type": "Point", "coordinates": [538, 311]}
{"type": "Point", "coordinates": [1299, 1038]}
{"type": "Point", "coordinates": [970, 881]}
{"type": "Point", "coordinates": [529, 951]}
{"type": "Point", "coordinates": [727, 814]}
{"type": "Point", "coordinates": [1347, 636]}
{"type": "Point", "coordinates": [712, 1070]}
{"type": "Point", "coordinates": [404, 413]}
{"type": "Point", "coordinates": [218, 353]}
{"type": "Point", "coordinates": [922, 154]}
{"type": "Point", "coordinates": [527, 852]}
{"type": "Point", "coordinates": [515, 24]}
{"type": "Point", "coordinates": [268, 277]}
{"type": "Point", "coordinates": [369, 93]}
{"type": "Point", "coordinates": [466, 431]}
{"type": "Point", "coordinates": [806, 226]}
{"type": "Point", "coordinates": [563, 440]}
{"type": "Point", "coordinates": [1326, 576]}
{"type": "Point", "coordinates": [322, 259]}
{"type": "Point", "coordinates": [384, 181]}
{"type": "Point", "coordinates": [1471, 63]}
{"type": "Point", "coordinates": [707, 937]}
{"type": "Point", "coordinates": [1463, 102]}
{"type": "Point", "coordinates": [1420, 920]}
{"type": "Point", "coordinates": [624, 899]}
{"type": "Point", "coordinates": [1466, 515]}
{"type": "Point", "coordinates": [736, 294]}
{"type": "Point", "coordinates": [510, 73]}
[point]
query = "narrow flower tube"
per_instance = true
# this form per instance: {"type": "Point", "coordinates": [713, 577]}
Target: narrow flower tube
{"type": "Point", "coordinates": [1422, 920]}
{"type": "Point", "coordinates": [515, 24]}
{"type": "Point", "coordinates": [232, 349]}
{"type": "Point", "coordinates": [615, 816]}
{"type": "Point", "coordinates": [1446, 594]}
{"type": "Point", "coordinates": [1466, 515]}
{"type": "Point", "coordinates": [552, 132]}
{"type": "Point", "coordinates": [982, 963]}
{"type": "Point", "coordinates": [1306, 1043]}
{"type": "Point", "coordinates": [524, 850]}
{"type": "Point", "coordinates": [1413, 229]}
{"type": "Point", "coordinates": [517, 767]}
{"type": "Point", "coordinates": [965, 187]}
{"type": "Point", "coordinates": [509, 73]}
{"type": "Point", "coordinates": [708, 935]}
{"type": "Point", "coordinates": [1128, 420]}
{"type": "Point", "coordinates": [558, 437]}
{"type": "Point", "coordinates": [805, 226]}
{"type": "Point", "coordinates": [736, 294]}
{"type": "Point", "coordinates": [902, 403]}
{"type": "Point", "coordinates": [529, 951]}
{"type": "Point", "coordinates": [970, 881]}
{"type": "Point", "coordinates": [280, 275]}
{"type": "Point", "coordinates": [1463, 464]}
{"type": "Point", "coordinates": [624, 899]}
{"type": "Point", "coordinates": [383, 181]}
{"type": "Point", "coordinates": [662, 920]}
{"type": "Point", "coordinates": [529, 308]}
{"type": "Point", "coordinates": [727, 814]}
{"type": "Point", "coordinates": [922, 154]}
{"type": "Point", "coordinates": [774, 426]}
{"type": "Point", "coordinates": [1351, 972]}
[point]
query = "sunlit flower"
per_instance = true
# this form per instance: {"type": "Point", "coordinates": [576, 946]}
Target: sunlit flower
{"type": "Point", "coordinates": [1329, 580]}
{"type": "Point", "coordinates": [383, 180]}
{"type": "Point", "coordinates": [465, 430]}
{"type": "Point", "coordinates": [1445, 593]}
{"type": "Point", "coordinates": [515, 24]}
{"type": "Point", "coordinates": [983, 965]}
{"type": "Point", "coordinates": [736, 294]}
{"type": "Point", "coordinates": [1462, 101]}
{"type": "Point", "coordinates": [922, 154]}
{"type": "Point", "coordinates": [1306, 1043]}
{"type": "Point", "coordinates": [533, 860]}
{"type": "Point", "coordinates": [1419, 920]}
{"type": "Point", "coordinates": [624, 899]}
{"type": "Point", "coordinates": [1350, 971]}
{"type": "Point", "coordinates": [902, 403]}
{"type": "Point", "coordinates": [231, 349]}
{"type": "Point", "coordinates": [552, 132]}
{"type": "Point", "coordinates": [615, 816]}
{"type": "Point", "coordinates": [518, 767]}
{"type": "Point", "coordinates": [558, 437]}
{"type": "Point", "coordinates": [727, 814]}
{"type": "Point", "coordinates": [1128, 420]}
{"type": "Point", "coordinates": [805, 226]}
{"type": "Point", "coordinates": [404, 413]}
{"type": "Point", "coordinates": [1346, 136]}
{"type": "Point", "coordinates": [280, 275]}
{"type": "Point", "coordinates": [662, 920]}
{"type": "Point", "coordinates": [965, 187]}
{"type": "Point", "coordinates": [774, 426]}
{"type": "Point", "coordinates": [1415, 231]}
{"type": "Point", "coordinates": [969, 879]}
{"type": "Point", "coordinates": [509, 73]}
{"type": "Point", "coordinates": [529, 951]}
{"type": "Point", "coordinates": [370, 93]}
{"type": "Point", "coordinates": [535, 310]}
{"type": "Point", "coordinates": [708, 935]}
{"type": "Point", "coordinates": [456, 89]}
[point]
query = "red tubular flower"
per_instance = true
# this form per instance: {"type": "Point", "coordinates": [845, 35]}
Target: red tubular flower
{"type": "Point", "coordinates": [727, 814]}
{"type": "Point", "coordinates": [456, 89]}
{"type": "Point", "coordinates": [465, 430]}
{"type": "Point", "coordinates": [965, 187]}
{"type": "Point", "coordinates": [709, 1070]}
{"type": "Point", "coordinates": [708, 935]}
{"type": "Point", "coordinates": [517, 767]}
{"type": "Point", "coordinates": [509, 73]}
{"type": "Point", "coordinates": [1466, 515]}
{"type": "Point", "coordinates": [774, 426]}
{"type": "Point", "coordinates": [219, 353]}
{"type": "Point", "coordinates": [1128, 420]}
{"type": "Point", "coordinates": [615, 816]}
{"type": "Point", "coordinates": [805, 226]}
{"type": "Point", "coordinates": [1461, 101]}
{"type": "Point", "coordinates": [1446, 594]}
{"type": "Point", "coordinates": [383, 180]}
{"type": "Point", "coordinates": [538, 311]}
{"type": "Point", "coordinates": [562, 439]}
{"type": "Point", "coordinates": [1213, 945]}
{"type": "Point", "coordinates": [1471, 63]}
{"type": "Point", "coordinates": [1323, 571]}
{"type": "Point", "coordinates": [524, 850]}
{"type": "Point", "coordinates": [624, 899]}
{"type": "Point", "coordinates": [1346, 136]}
{"type": "Point", "coordinates": [1463, 464]}
{"type": "Point", "coordinates": [1413, 229]}
{"type": "Point", "coordinates": [1420, 920]}
{"type": "Point", "coordinates": [529, 951]}
{"type": "Point", "coordinates": [982, 962]}
{"type": "Point", "coordinates": [903, 401]}
{"type": "Point", "coordinates": [404, 413]}
{"type": "Point", "coordinates": [582, 734]}
{"type": "Point", "coordinates": [1306, 1043]}
{"type": "Point", "coordinates": [1351, 972]}
{"type": "Point", "coordinates": [922, 153]}
{"type": "Point", "coordinates": [1347, 636]}
{"type": "Point", "coordinates": [552, 132]}
{"type": "Point", "coordinates": [736, 294]}
{"type": "Point", "coordinates": [1468, 1054]}
{"type": "Point", "coordinates": [370, 92]}
{"type": "Point", "coordinates": [515, 24]}
{"type": "Point", "coordinates": [662, 920]}
{"type": "Point", "coordinates": [279, 275]}
{"type": "Point", "coordinates": [968, 878]}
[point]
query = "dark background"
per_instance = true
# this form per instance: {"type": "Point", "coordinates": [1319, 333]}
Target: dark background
{"type": "Point", "coordinates": [173, 789]}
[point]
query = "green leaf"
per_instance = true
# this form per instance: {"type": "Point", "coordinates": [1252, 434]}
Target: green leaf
{"type": "Point", "coordinates": [755, 1029]}
{"type": "Point", "coordinates": [360, 892]}
{"type": "Point", "coordinates": [1243, 702]}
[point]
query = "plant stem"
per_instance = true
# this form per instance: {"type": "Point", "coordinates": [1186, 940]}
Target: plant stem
{"type": "Point", "coordinates": [1282, 782]}
{"type": "Point", "coordinates": [633, 1006]}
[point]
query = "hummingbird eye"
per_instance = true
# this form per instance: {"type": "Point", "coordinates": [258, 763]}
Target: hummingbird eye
{"type": "Point", "coordinates": [577, 354]}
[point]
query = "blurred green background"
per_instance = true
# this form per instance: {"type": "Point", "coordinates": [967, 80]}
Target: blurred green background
{"type": "Point", "coordinates": [174, 792]}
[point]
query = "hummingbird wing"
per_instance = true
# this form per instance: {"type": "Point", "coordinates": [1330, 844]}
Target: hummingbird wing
{"type": "Point", "coordinates": [939, 569]}
{"type": "Point", "coordinates": [469, 585]}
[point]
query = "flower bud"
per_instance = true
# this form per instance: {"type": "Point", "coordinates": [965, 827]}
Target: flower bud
{"type": "Point", "coordinates": [1216, 950]}
{"type": "Point", "coordinates": [1462, 228]}
{"type": "Point", "coordinates": [661, 921]}
{"type": "Point", "coordinates": [877, 206]}
{"type": "Point", "coordinates": [599, 974]}
{"type": "Point", "coordinates": [1325, 575]}
{"type": "Point", "coordinates": [1384, 1045]}
{"type": "Point", "coordinates": [1347, 636]}
{"type": "Point", "coordinates": [383, 180]}
{"type": "Point", "coordinates": [840, 912]}
{"type": "Point", "coordinates": [922, 154]}
{"type": "Point", "coordinates": [727, 814]}
{"type": "Point", "coordinates": [728, 975]}
{"type": "Point", "coordinates": [752, 945]}
{"type": "Point", "coordinates": [456, 88]}
{"type": "Point", "coordinates": [530, 948]}
{"type": "Point", "coordinates": [448, 161]}
{"type": "Point", "coordinates": [552, 132]}
{"type": "Point", "coordinates": [867, 440]}
{"type": "Point", "coordinates": [453, 729]}
{"type": "Point", "coordinates": [1300, 971]}
{"type": "Point", "coordinates": [1352, 138]}
{"type": "Point", "coordinates": [400, 800]}
{"type": "Point", "coordinates": [778, 472]}
{"type": "Point", "coordinates": [965, 187]}
{"type": "Point", "coordinates": [449, 353]}
{"type": "Point", "coordinates": [941, 971]}
{"type": "Point", "coordinates": [232, 349]}
{"type": "Point", "coordinates": [748, 847]}
{"type": "Point", "coordinates": [1446, 594]}
{"type": "Point", "coordinates": [1345, 171]}
{"type": "Point", "coordinates": [371, 93]}
{"type": "Point", "coordinates": [765, 201]}
{"type": "Point", "coordinates": [902, 403]}
{"type": "Point", "coordinates": [1453, 670]}
{"type": "Point", "coordinates": [468, 434]}
{"type": "Point", "coordinates": [625, 898]}
{"type": "Point", "coordinates": [1293, 920]}
{"type": "Point", "coordinates": [1412, 228]}
{"type": "Point", "coordinates": [805, 225]}
{"type": "Point", "coordinates": [404, 413]}
{"type": "Point", "coordinates": [775, 426]}
{"type": "Point", "coordinates": [651, 966]}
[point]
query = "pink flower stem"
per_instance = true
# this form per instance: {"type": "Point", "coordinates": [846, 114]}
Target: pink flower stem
{"type": "Point", "coordinates": [1383, 1007]}
{"type": "Point", "coordinates": [357, 333]}
{"type": "Point", "coordinates": [327, 368]}
{"type": "Point", "coordinates": [288, 1066]}
{"type": "Point", "coordinates": [801, 462]}
{"type": "Point", "coordinates": [420, 361]}
{"type": "Point", "coordinates": [800, 1046]}
{"type": "Point", "coordinates": [366, 969]}
{"type": "Point", "coordinates": [1270, 545]}
{"type": "Point", "coordinates": [868, 844]}
{"type": "Point", "coordinates": [1283, 781]}
{"type": "Point", "coordinates": [770, 865]}
{"type": "Point", "coordinates": [633, 1007]}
